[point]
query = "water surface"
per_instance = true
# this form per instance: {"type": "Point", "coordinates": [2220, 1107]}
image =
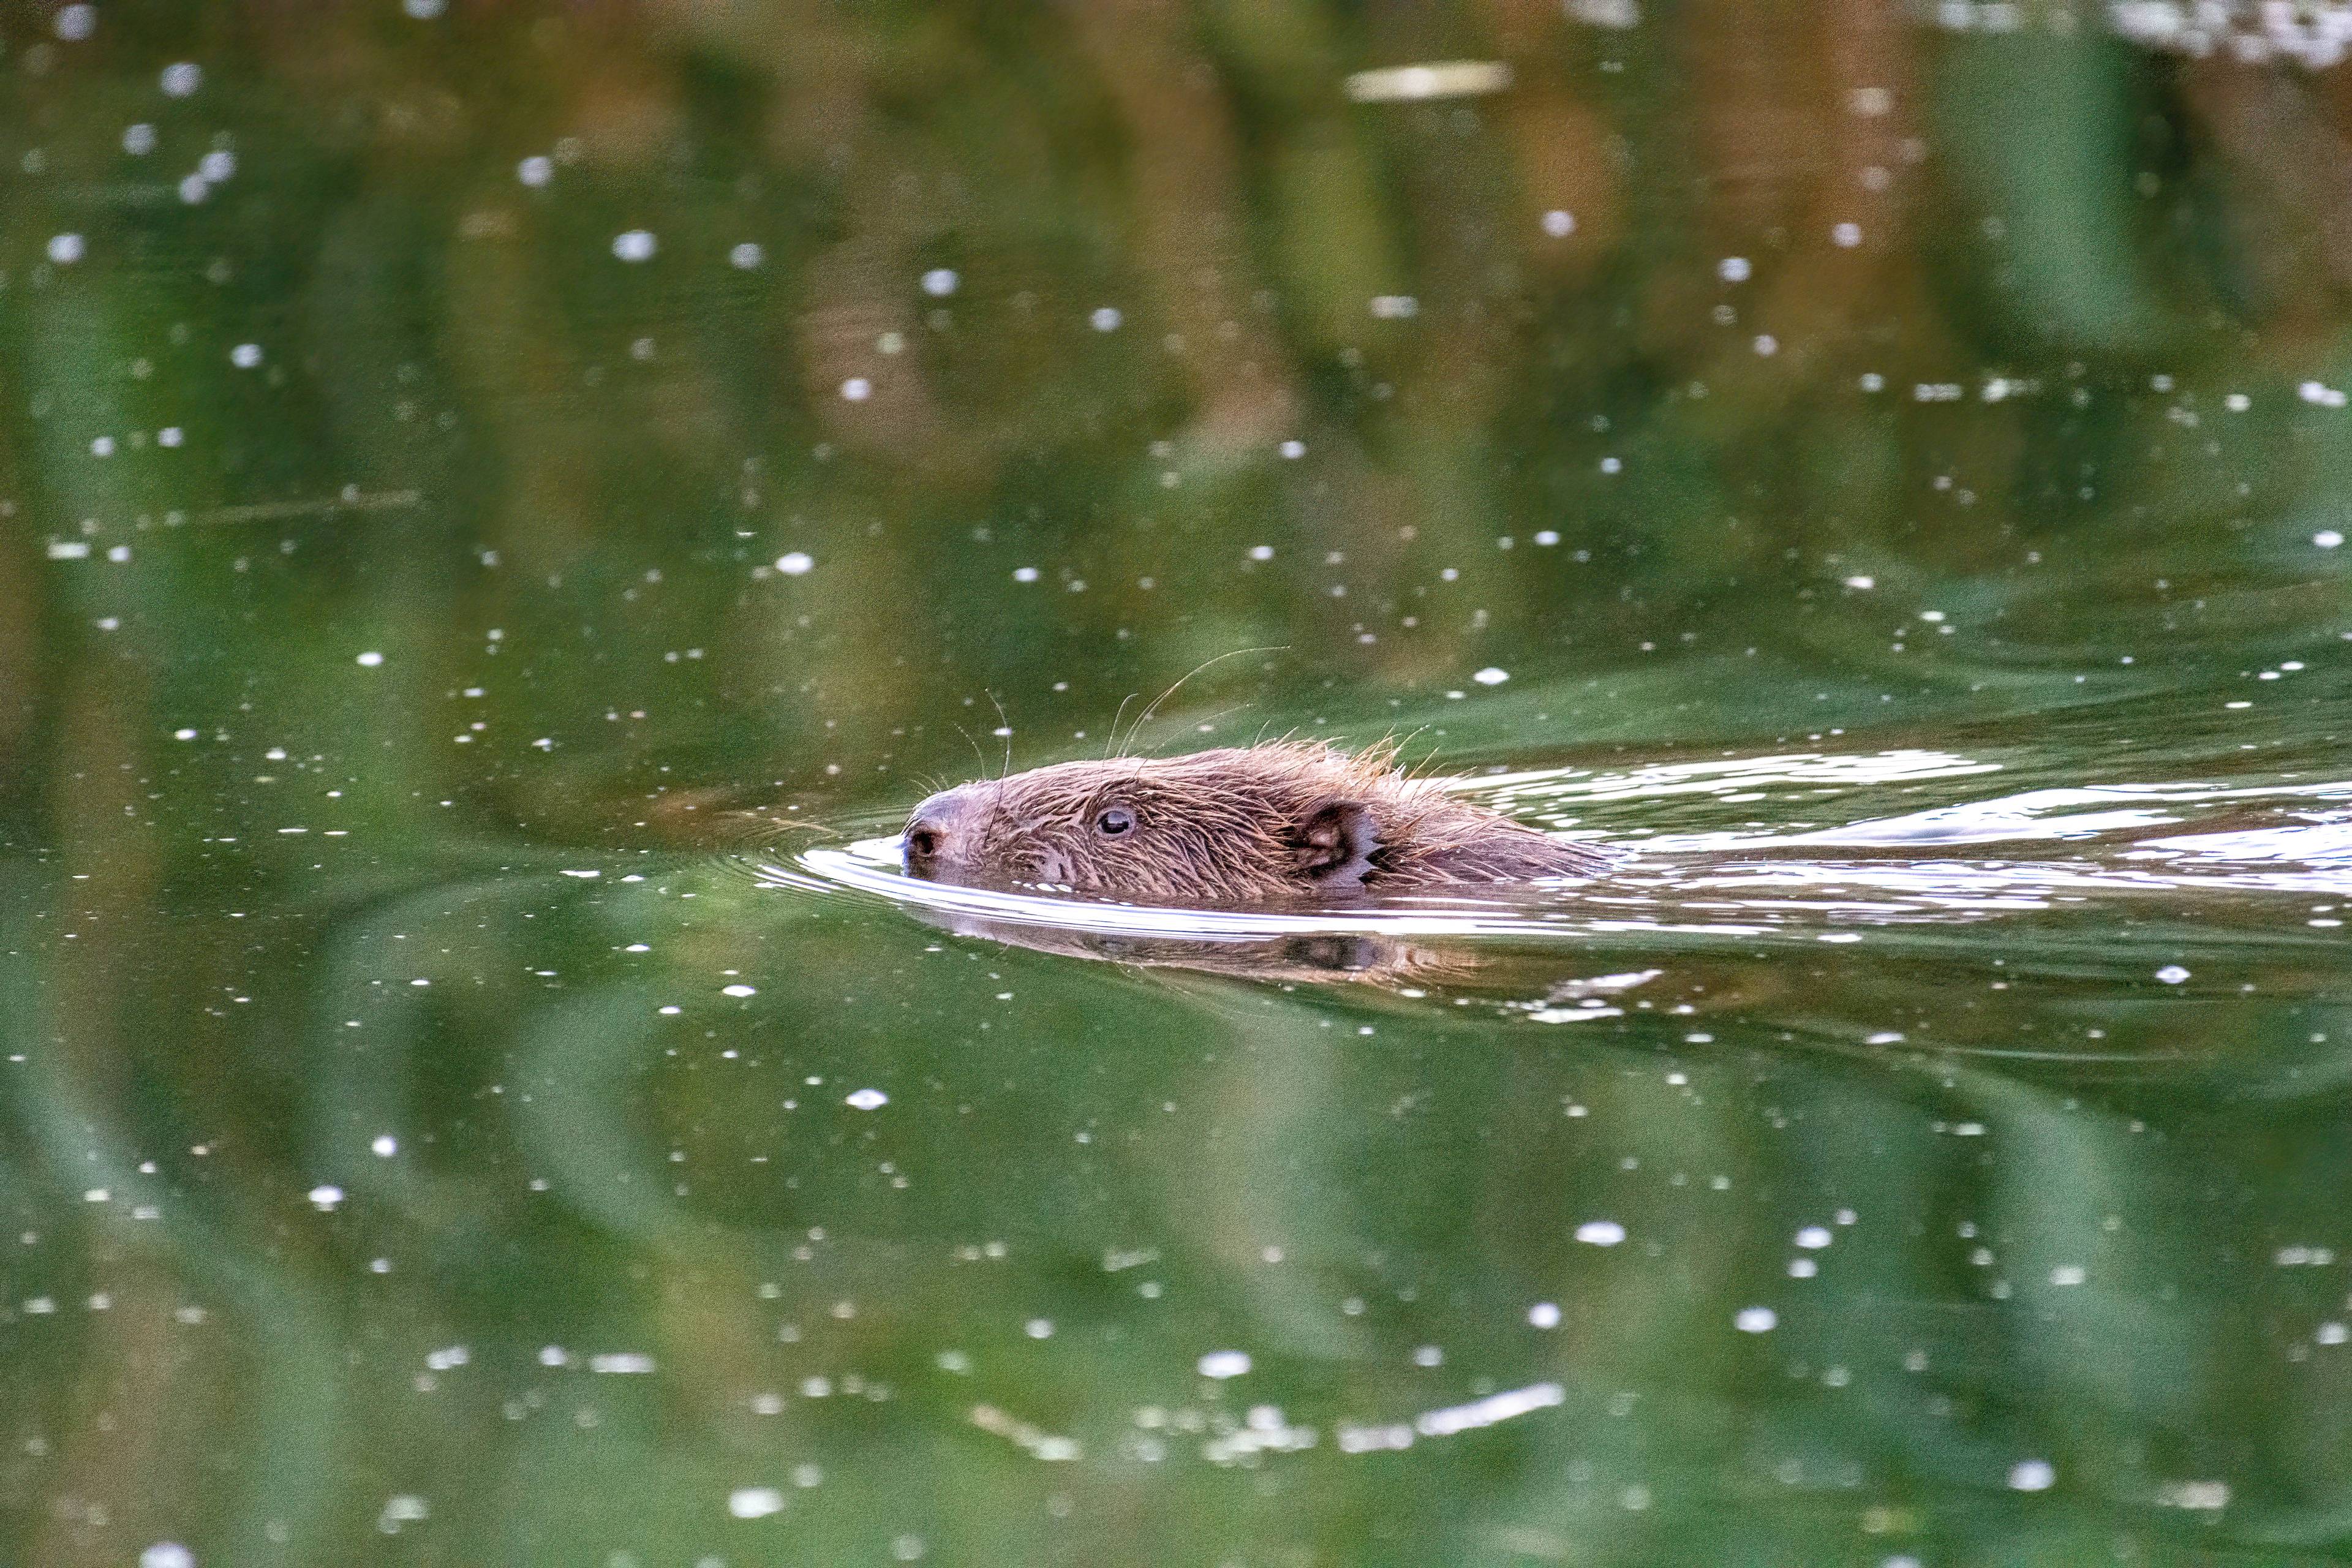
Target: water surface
{"type": "Point", "coordinates": [502, 508]}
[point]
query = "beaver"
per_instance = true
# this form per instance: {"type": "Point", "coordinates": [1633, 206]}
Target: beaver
{"type": "Point", "coordinates": [1279, 822]}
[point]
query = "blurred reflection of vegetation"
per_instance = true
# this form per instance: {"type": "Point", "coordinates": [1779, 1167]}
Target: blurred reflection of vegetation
{"type": "Point", "coordinates": [546, 485]}
{"type": "Point", "coordinates": [571, 1170]}
{"type": "Point", "coordinates": [526, 426]}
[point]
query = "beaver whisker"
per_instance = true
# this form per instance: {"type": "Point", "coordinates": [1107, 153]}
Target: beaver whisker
{"type": "Point", "coordinates": [1144, 717]}
{"type": "Point", "coordinates": [1006, 724]}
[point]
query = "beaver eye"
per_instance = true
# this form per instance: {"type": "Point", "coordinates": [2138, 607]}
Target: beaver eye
{"type": "Point", "coordinates": [1114, 820]}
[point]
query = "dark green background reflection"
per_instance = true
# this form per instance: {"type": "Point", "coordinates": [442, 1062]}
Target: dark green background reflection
{"type": "Point", "coordinates": [453, 454]}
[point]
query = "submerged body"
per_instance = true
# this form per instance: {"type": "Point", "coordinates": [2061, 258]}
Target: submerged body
{"type": "Point", "coordinates": [1284, 822]}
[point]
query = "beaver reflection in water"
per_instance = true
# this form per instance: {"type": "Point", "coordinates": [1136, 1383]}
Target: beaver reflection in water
{"type": "Point", "coordinates": [1283, 822]}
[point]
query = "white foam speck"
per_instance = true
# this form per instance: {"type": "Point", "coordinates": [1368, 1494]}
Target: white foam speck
{"type": "Point", "coordinates": [245, 356]}
{"type": "Point", "coordinates": [324, 1197]}
{"type": "Point", "coordinates": [2032, 1475]}
{"type": "Point", "coordinates": [1106, 320]}
{"type": "Point", "coordinates": [795, 563]}
{"type": "Point", "coordinates": [535, 171]}
{"type": "Point", "coordinates": [868, 1099]}
{"type": "Point", "coordinates": [181, 78]}
{"type": "Point", "coordinates": [1756, 1319]}
{"type": "Point", "coordinates": [369, 660]}
{"type": "Point", "coordinates": [635, 245]}
{"type": "Point", "coordinates": [2172, 974]}
{"type": "Point", "coordinates": [1559, 222]}
{"type": "Point", "coordinates": [1601, 1233]}
{"type": "Point", "coordinates": [940, 283]}
{"type": "Point", "coordinates": [747, 256]}
{"type": "Point", "coordinates": [1224, 1364]}
{"type": "Point", "coordinates": [1490, 676]}
{"type": "Point", "coordinates": [1487, 1412]}
{"type": "Point", "coordinates": [754, 1502]}
{"type": "Point", "coordinates": [65, 249]}
{"type": "Point", "coordinates": [166, 1554]}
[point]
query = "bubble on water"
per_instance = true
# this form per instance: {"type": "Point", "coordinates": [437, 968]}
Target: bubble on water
{"type": "Point", "coordinates": [1813, 1237]}
{"type": "Point", "coordinates": [1224, 1364]}
{"type": "Point", "coordinates": [369, 660]}
{"type": "Point", "coordinates": [1756, 1319]}
{"type": "Point", "coordinates": [170, 436]}
{"type": "Point", "coordinates": [1734, 269]}
{"type": "Point", "coordinates": [908, 1547]}
{"type": "Point", "coordinates": [1025, 573]}
{"type": "Point", "coordinates": [1491, 676]}
{"type": "Point", "coordinates": [635, 245]}
{"type": "Point", "coordinates": [1544, 1315]}
{"type": "Point", "coordinates": [139, 139]}
{"type": "Point", "coordinates": [217, 166]}
{"type": "Point", "coordinates": [325, 1196]}
{"type": "Point", "coordinates": [747, 256]}
{"type": "Point", "coordinates": [940, 281]}
{"type": "Point", "coordinates": [76, 23]}
{"type": "Point", "coordinates": [102, 448]}
{"type": "Point", "coordinates": [2327, 539]}
{"type": "Point", "coordinates": [795, 562]}
{"type": "Point", "coordinates": [1558, 224]}
{"type": "Point", "coordinates": [754, 1502]}
{"type": "Point", "coordinates": [424, 10]}
{"type": "Point", "coordinates": [1547, 537]}
{"type": "Point", "coordinates": [866, 1099]}
{"type": "Point", "coordinates": [1293, 449]}
{"type": "Point", "coordinates": [1106, 320]}
{"type": "Point", "coordinates": [857, 389]}
{"type": "Point", "coordinates": [167, 1554]}
{"type": "Point", "coordinates": [1601, 1233]}
{"type": "Point", "coordinates": [2172, 974]}
{"type": "Point", "coordinates": [65, 249]}
{"type": "Point", "coordinates": [535, 170]}
{"type": "Point", "coordinates": [183, 735]}
{"type": "Point", "coordinates": [1862, 585]}
{"type": "Point", "coordinates": [385, 1146]}
{"type": "Point", "coordinates": [1767, 345]}
{"type": "Point", "coordinates": [181, 78]}
{"type": "Point", "coordinates": [245, 356]}
{"type": "Point", "coordinates": [2032, 1475]}
{"type": "Point", "coordinates": [1846, 236]}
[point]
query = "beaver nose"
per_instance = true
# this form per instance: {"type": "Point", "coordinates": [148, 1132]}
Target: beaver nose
{"type": "Point", "coordinates": [936, 834]}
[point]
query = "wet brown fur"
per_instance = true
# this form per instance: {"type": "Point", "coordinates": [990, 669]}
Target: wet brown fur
{"type": "Point", "coordinates": [1281, 822]}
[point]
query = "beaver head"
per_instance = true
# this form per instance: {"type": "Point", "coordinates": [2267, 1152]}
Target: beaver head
{"type": "Point", "coordinates": [1287, 821]}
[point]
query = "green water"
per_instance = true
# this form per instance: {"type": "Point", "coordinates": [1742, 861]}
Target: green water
{"type": "Point", "coordinates": [496, 500]}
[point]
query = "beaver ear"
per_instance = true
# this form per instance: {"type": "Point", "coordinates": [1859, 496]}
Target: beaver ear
{"type": "Point", "coordinates": [1336, 843]}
